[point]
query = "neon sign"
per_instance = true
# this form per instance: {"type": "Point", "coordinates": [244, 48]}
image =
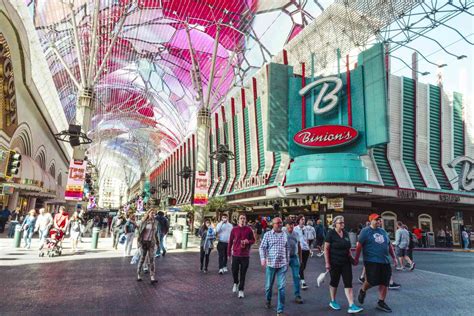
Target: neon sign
{"type": "Point", "coordinates": [323, 95]}
{"type": "Point", "coordinates": [466, 176]}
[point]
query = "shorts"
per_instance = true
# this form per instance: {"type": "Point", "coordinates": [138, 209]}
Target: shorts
{"type": "Point", "coordinates": [346, 272]}
{"type": "Point", "coordinates": [378, 273]}
{"type": "Point", "coordinates": [401, 252]}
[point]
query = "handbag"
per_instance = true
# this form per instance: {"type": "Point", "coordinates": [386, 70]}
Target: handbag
{"type": "Point", "coordinates": [135, 257]}
{"type": "Point", "coordinates": [321, 277]}
{"type": "Point", "coordinates": [122, 239]}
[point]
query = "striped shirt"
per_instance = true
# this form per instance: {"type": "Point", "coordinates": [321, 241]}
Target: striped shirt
{"type": "Point", "coordinates": [274, 249]}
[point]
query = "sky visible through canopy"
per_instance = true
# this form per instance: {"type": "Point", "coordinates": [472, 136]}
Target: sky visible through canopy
{"type": "Point", "coordinates": [145, 97]}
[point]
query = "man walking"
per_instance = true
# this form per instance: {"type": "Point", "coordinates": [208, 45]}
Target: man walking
{"type": "Point", "coordinates": [4, 215]}
{"type": "Point", "coordinates": [117, 228]}
{"type": "Point", "coordinates": [240, 240]}
{"type": "Point", "coordinates": [402, 241]}
{"type": "Point", "coordinates": [375, 245]}
{"type": "Point", "coordinates": [163, 228]}
{"type": "Point", "coordinates": [301, 230]}
{"type": "Point", "coordinates": [294, 246]}
{"type": "Point", "coordinates": [223, 230]}
{"type": "Point", "coordinates": [320, 236]}
{"type": "Point", "coordinates": [274, 255]}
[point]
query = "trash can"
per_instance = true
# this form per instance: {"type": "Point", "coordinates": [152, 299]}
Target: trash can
{"type": "Point", "coordinates": [430, 236]}
{"type": "Point", "coordinates": [185, 237]}
{"type": "Point", "coordinates": [95, 237]}
{"type": "Point", "coordinates": [17, 237]}
{"type": "Point", "coordinates": [353, 239]}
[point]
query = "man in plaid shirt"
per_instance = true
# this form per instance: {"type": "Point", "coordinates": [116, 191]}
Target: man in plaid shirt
{"type": "Point", "coordinates": [274, 255]}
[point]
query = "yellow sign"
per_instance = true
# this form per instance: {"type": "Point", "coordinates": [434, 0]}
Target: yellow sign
{"type": "Point", "coordinates": [315, 207]}
{"type": "Point", "coordinates": [336, 204]}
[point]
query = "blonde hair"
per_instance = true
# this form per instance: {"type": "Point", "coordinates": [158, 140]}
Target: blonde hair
{"type": "Point", "coordinates": [32, 212]}
{"type": "Point", "coordinates": [147, 214]}
{"type": "Point", "coordinates": [335, 219]}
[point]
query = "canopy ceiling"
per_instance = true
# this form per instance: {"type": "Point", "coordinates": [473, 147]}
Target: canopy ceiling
{"type": "Point", "coordinates": [145, 99]}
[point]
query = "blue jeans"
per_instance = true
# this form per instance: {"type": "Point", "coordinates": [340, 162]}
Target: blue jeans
{"type": "Point", "coordinates": [295, 271]}
{"type": "Point", "coordinates": [280, 274]}
{"type": "Point", "coordinates": [27, 234]}
{"type": "Point", "coordinates": [43, 234]}
{"type": "Point", "coordinates": [162, 248]}
{"type": "Point", "coordinates": [11, 229]}
{"type": "Point", "coordinates": [466, 243]}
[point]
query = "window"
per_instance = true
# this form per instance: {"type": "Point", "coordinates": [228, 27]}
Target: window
{"type": "Point", "coordinates": [425, 222]}
{"type": "Point", "coordinates": [389, 220]}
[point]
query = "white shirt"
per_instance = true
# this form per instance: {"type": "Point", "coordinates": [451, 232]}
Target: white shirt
{"type": "Point", "coordinates": [223, 231]}
{"type": "Point", "coordinates": [303, 239]}
{"type": "Point", "coordinates": [310, 232]}
{"type": "Point", "coordinates": [43, 221]}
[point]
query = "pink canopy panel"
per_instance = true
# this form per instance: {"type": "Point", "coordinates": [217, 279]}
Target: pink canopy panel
{"type": "Point", "coordinates": [146, 82]}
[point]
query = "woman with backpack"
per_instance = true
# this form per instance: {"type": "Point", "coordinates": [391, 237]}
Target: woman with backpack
{"type": "Point", "coordinates": [129, 230]}
{"type": "Point", "coordinates": [208, 235]}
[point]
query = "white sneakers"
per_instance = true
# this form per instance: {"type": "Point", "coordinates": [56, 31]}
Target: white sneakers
{"type": "Point", "coordinates": [241, 294]}
{"type": "Point", "coordinates": [225, 269]}
{"type": "Point", "coordinates": [221, 271]}
{"type": "Point", "coordinates": [235, 288]}
{"type": "Point", "coordinates": [303, 285]}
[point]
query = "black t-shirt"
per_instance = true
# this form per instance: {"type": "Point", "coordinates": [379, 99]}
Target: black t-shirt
{"type": "Point", "coordinates": [339, 247]}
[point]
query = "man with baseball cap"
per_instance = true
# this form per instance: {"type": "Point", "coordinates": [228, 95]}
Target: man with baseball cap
{"type": "Point", "coordinates": [375, 245]}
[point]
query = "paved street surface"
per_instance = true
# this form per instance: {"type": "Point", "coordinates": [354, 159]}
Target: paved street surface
{"type": "Point", "coordinates": [103, 283]}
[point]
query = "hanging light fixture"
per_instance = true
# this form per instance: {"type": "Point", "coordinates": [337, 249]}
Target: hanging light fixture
{"type": "Point", "coordinates": [222, 154]}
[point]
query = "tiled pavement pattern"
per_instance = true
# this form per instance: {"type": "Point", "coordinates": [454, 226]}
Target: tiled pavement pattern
{"type": "Point", "coordinates": [442, 284]}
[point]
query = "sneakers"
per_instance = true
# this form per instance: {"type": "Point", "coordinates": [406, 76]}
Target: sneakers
{"type": "Point", "coordinates": [334, 305]}
{"type": "Point", "coordinates": [298, 300]}
{"type": "Point", "coordinates": [205, 271]}
{"type": "Point", "coordinates": [361, 296]}
{"type": "Point", "coordinates": [221, 271]}
{"type": "Point", "coordinates": [394, 286]}
{"type": "Point", "coordinates": [400, 268]}
{"type": "Point", "coordinates": [361, 280]}
{"type": "Point", "coordinates": [412, 266]}
{"type": "Point", "coordinates": [383, 307]}
{"type": "Point", "coordinates": [164, 252]}
{"type": "Point", "coordinates": [139, 278]}
{"type": "Point", "coordinates": [225, 269]}
{"type": "Point", "coordinates": [354, 309]}
{"type": "Point", "coordinates": [268, 304]}
{"type": "Point", "coordinates": [152, 279]}
{"type": "Point", "coordinates": [241, 294]}
{"type": "Point", "coordinates": [235, 288]}
{"type": "Point", "coordinates": [303, 285]}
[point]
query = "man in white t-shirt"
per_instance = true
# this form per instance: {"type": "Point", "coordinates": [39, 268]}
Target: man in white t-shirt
{"type": "Point", "coordinates": [301, 229]}
{"type": "Point", "coordinates": [223, 230]}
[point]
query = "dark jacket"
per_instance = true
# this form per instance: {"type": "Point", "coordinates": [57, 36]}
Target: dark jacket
{"type": "Point", "coordinates": [141, 230]}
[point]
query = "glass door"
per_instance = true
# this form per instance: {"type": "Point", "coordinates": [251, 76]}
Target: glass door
{"type": "Point", "coordinates": [456, 230]}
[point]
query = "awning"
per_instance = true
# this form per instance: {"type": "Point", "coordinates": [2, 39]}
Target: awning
{"type": "Point", "coordinates": [49, 183]}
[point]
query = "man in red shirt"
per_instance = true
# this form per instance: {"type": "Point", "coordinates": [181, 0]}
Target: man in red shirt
{"type": "Point", "coordinates": [61, 220]}
{"type": "Point", "coordinates": [240, 241]}
{"type": "Point", "coordinates": [418, 234]}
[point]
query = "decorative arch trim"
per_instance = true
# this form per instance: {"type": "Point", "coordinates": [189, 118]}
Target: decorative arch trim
{"type": "Point", "coordinates": [21, 139]}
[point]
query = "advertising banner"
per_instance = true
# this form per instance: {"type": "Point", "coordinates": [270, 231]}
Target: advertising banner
{"type": "Point", "coordinates": [336, 203]}
{"type": "Point", "coordinates": [75, 180]}
{"type": "Point", "coordinates": [201, 188]}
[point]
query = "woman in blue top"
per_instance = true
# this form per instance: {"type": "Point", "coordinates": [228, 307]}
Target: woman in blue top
{"type": "Point", "coordinates": [28, 227]}
{"type": "Point", "coordinates": [208, 235]}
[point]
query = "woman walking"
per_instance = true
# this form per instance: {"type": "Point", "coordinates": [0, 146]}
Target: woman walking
{"type": "Point", "coordinates": [28, 228]}
{"type": "Point", "coordinates": [129, 230]}
{"type": "Point", "coordinates": [337, 252]}
{"type": "Point", "coordinates": [208, 235]}
{"type": "Point", "coordinates": [146, 243]}
{"type": "Point", "coordinates": [75, 230]}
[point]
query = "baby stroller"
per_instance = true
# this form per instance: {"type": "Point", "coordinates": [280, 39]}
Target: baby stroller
{"type": "Point", "coordinates": [53, 244]}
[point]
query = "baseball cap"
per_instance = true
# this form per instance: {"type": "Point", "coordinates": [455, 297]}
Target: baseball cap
{"type": "Point", "coordinates": [373, 216]}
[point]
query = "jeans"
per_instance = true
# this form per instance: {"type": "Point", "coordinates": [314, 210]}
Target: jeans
{"type": "Point", "coordinates": [11, 229]}
{"type": "Point", "coordinates": [466, 243]}
{"type": "Point", "coordinates": [117, 233]}
{"type": "Point", "coordinates": [295, 270]}
{"type": "Point", "coordinates": [43, 234]}
{"type": "Point", "coordinates": [27, 234]}
{"type": "Point", "coordinates": [128, 244]}
{"type": "Point", "coordinates": [280, 274]}
{"type": "Point", "coordinates": [305, 256]}
{"type": "Point", "coordinates": [239, 270]}
{"type": "Point", "coordinates": [162, 248]}
{"type": "Point", "coordinates": [205, 254]}
{"type": "Point", "coordinates": [222, 250]}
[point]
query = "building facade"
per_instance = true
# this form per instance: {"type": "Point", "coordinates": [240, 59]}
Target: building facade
{"type": "Point", "coordinates": [351, 143]}
{"type": "Point", "coordinates": [30, 115]}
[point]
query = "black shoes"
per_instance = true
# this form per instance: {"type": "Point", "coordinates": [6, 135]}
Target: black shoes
{"type": "Point", "coordinates": [268, 304]}
{"type": "Point", "coordinates": [361, 296]}
{"type": "Point", "coordinates": [394, 286]}
{"type": "Point", "coordinates": [383, 307]}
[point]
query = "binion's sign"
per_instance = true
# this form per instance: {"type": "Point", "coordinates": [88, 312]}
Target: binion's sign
{"type": "Point", "coordinates": [325, 136]}
{"type": "Point", "coordinates": [466, 174]}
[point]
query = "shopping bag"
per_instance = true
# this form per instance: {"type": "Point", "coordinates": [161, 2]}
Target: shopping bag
{"type": "Point", "coordinates": [122, 239]}
{"type": "Point", "coordinates": [135, 257]}
{"type": "Point", "coordinates": [321, 277]}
